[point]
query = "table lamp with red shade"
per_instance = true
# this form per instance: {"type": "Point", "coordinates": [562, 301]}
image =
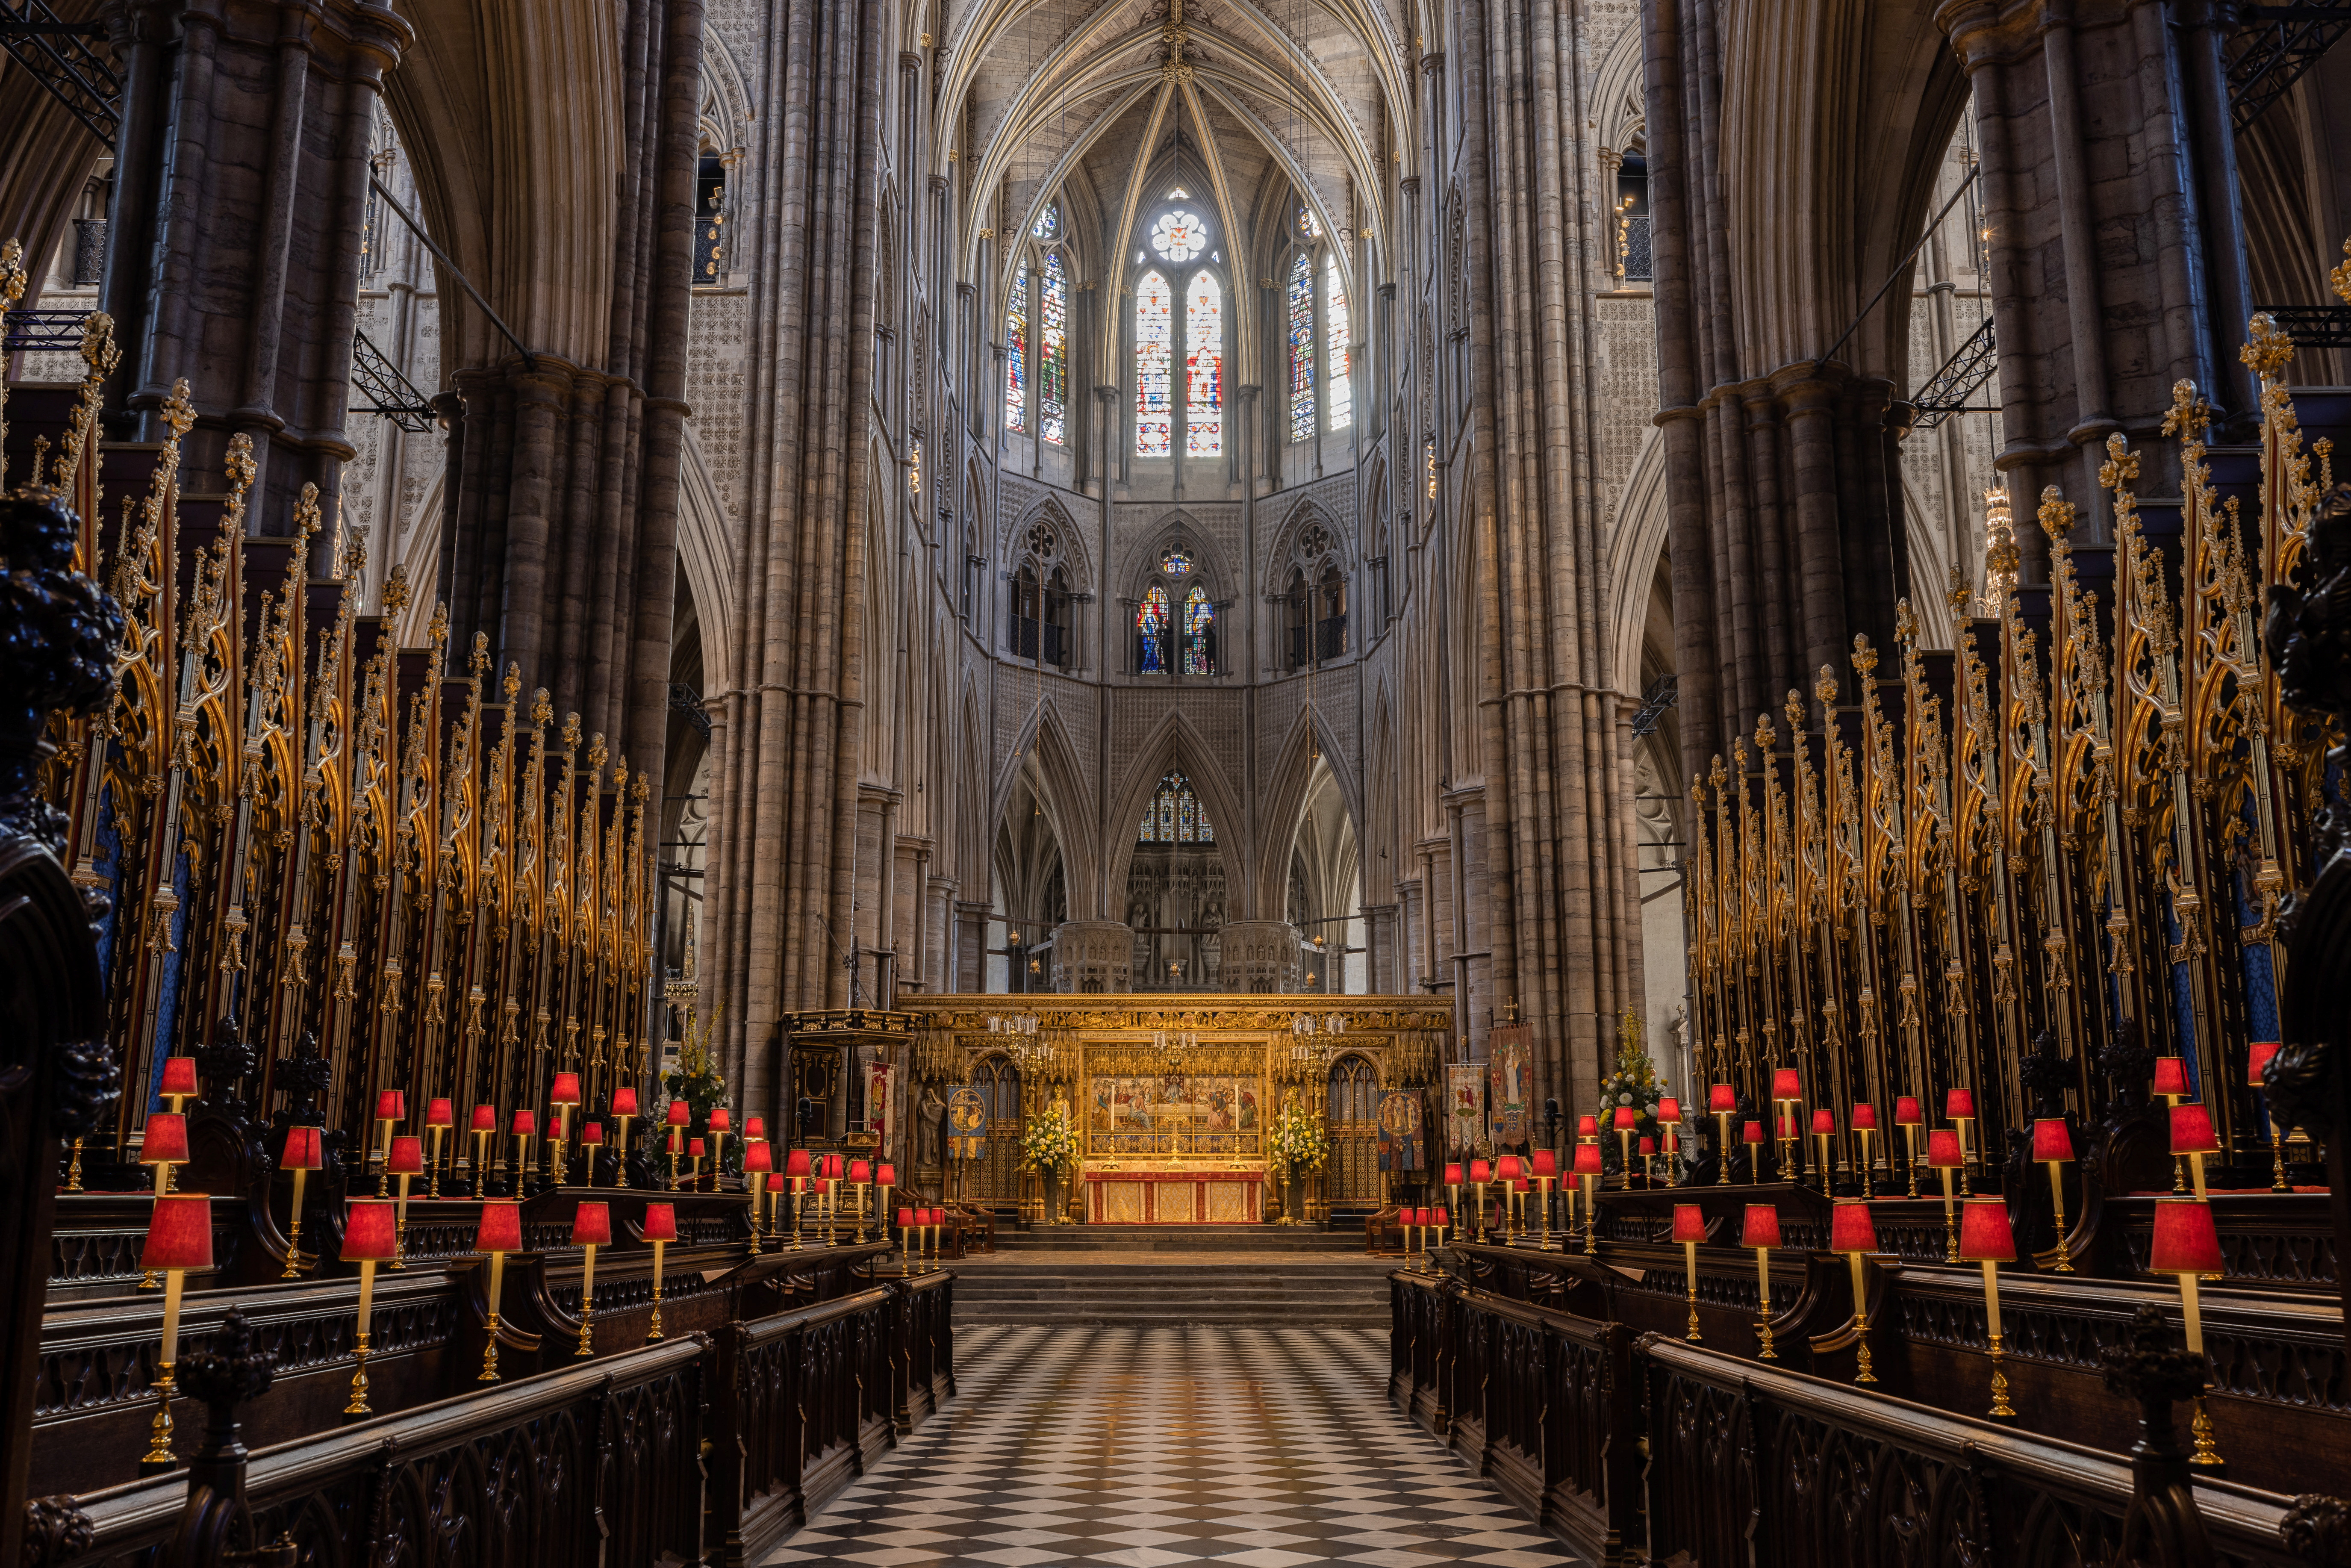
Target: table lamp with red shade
{"type": "Point", "coordinates": [2052, 1146]}
{"type": "Point", "coordinates": [1627, 1125]}
{"type": "Point", "coordinates": [695, 1148]}
{"type": "Point", "coordinates": [1507, 1171]}
{"type": "Point", "coordinates": [860, 1176]}
{"type": "Point", "coordinates": [624, 1110]}
{"type": "Point", "coordinates": [1864, 1127]}
{"type": "Point", "coordinates": [1690, 1229]}
{"type": "Point", "coordinates": [1669, 1137]}
{"type": "Point", "coordinates": [2192, 1135]}
{"type": "Point", "coordinates": [499, 1233]}
{"type": "Point", "coordinates": [2187, 1246]}
{"type": "Point", "coordinates": [1722, 1104]}
{"type": "Point", "coordinates": [591, 1143]}
{"type": "Point", "coordinates": [485, 1135]}
{"type": "Point", "coordinates": [440, 1116]}
{"type": "Point", "coordinates": [164, 1145]}
{"type": "Point", "coordinates": [1589, 1169]}
{"type": "Point", "coordinates": [1753, 1137]}
{"type": "Point", "coordinates": [1761, 1232]}
{"type": "Point", "coordinates": [1944, 1155]}
{"type": "Point", "coordinates": [758, 1162]}
{"type": "Point", "coordinates": [1853, 1233]}
{"type": "Point", "coordinates": [371, 1236]}
{"type": "Point", "coordinates": [1453, 1184]}
{"type": "Point", "coordinates": [679, 1117]}
{"type": "Point", "coordinates": [1480, 1173]}
{"type": "Point", "coordinates": [592, 1226]}
{"type": "Point", "coordinates": [1824, 1128]}
{"type": "Point", "coordinates": [2171, 1080]}
{"type": "Point", "coordinates": [798, 1170]}
{"type": "Point", "coordinates": [661, 1230]}
{"type": "Point", "coordinates": [391, 1109]}
{"type": "Point", "coordinates": [1986, 1237]}
{"type": "Point", "coordinates": [2257, 1062]}
{"type": "Point", "coordinates": [1787, 1093]}
{"type": "Point", "coordinates": [406, 1161]}
{"type": "Point", "coordinates": [177, 1083]}
{"type": "Point", "coordinates": [562, 1095]}
{"type": "Point", "coordinates": [179, 1237]}
{"type": "Point", "coordinates": [1648, 1150]}
{"type": "Point", "coordinates": [1544, 1167]}
{"type": "Point", "coordinates": [885, 1176]}
{"type": "Point", "coordinates": [305, 1151]}
{"type": "Point", "coordinates": [526, 1125]}
{"type": "Point", "coordinates": [1960, 1108]}
{"type": "Point", "coordinates": [722, 1122]}
{"type": "Point", "coordinates": [1910, 1115]}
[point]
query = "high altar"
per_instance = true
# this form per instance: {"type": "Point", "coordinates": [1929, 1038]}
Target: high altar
{"type": "Point", "coordinates": [1173, 1099]}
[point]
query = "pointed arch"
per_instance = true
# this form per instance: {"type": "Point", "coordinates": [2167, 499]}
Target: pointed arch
{"type": "Point", "coordinates": [1173, 743]}
{"type": "Point", "coordinates": [1052, 765]}
{"type": "Point", "coordinates": [1634, 547]}
{"type": "Point", "coordinates": [1294, 544]}
{"type": "Point", "coordinates": [1285, 798]}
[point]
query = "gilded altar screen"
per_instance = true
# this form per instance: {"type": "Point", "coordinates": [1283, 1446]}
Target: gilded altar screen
{"type": "Point", "coordinates": [1175, 1114]}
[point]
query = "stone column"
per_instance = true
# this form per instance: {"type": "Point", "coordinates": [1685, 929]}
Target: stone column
{"type": "Point", "coordinates": [1258, 957]}
{"type": "Point", "coordinates": [1093, 956]}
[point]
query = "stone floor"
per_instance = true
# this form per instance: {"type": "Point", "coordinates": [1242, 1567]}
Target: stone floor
{"type": "Point", "coordinates": [1148, 1448]}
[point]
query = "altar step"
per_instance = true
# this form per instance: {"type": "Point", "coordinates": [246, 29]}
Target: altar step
{"type": "Point", "coordinates": [1234, 1287]}
{"type": "Point", "coordinates": [1179, 1238]}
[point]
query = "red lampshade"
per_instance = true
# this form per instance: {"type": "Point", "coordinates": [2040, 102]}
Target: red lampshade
{"type": "Point", "coordinates": [1648, 1147]}
{"type": "Point", "coordinates": [391, 1105]}
{"type": "Point", "coordinates": [1787, 1125]}
{"type": "Point", "coordinates": [1690, 1222]}
{"type": "Point", "coordinates": [1453, 1175]}
{"type": "Point", "coordinates": [486, 1118]}
{"type": "Point", "coordinates": [592, 1135]}
{"type": "Point", "coordinates": [1754, 1133]}
{"type": "Point", "coordinates": [693, 1148]}
{"type": "Point", "coordinates": [1521, 1184]}
{"type": "Point", "coordinates": [796, 1164]}
{"type": "Point", "coordinates": [1851, 1228]}
{"type": "Point", "coordinates": [166, 1142]}
{"type": "Point", "coordinates": [757, 1127]}
{"type": "Point", "coordinates": [565, 1091]}
{"type": "Point", "coordinates": [1984, 1233]}
{"type": "Point", "coordinates": [1959, 1102]}
{"type": "Point", "coordinates": [1587, 1127]}
{"type": "Point", "coordinates": [2262, 1049]}
{"type": "Point", "coordinates": [832, 1167]}
{"type": "Point", "coordinates": [1588, 1161]}
{"type": "Point", "coordinates": [1823, 1123]}
{"type": "Point", "coordinates": [1669, 1110]}
{"type": "Point", "coordinates": [1627, 1118]}
{"type": "Point", "coordinates": [624, 1102]}
{"type": "Point", "coordinates": [759, 1156]}
{"type": "Point", "coordinates": [680, 1114]}
{"type": "Point", "coordinates": [180, 1233]}
{"type": "Point", "coordinates": [2052, 1139]}
{"type": "Point", "coordinates": [1865, 1117]}
{"type": "Point", "coordinates": [439, 1114]}
{"type": "Point", "coordinates": [906, 1218]}
{"type": "Point", "coordinates": [2192, 1129]}
{"type": "Point", "coordinates": [722, 1120]}
{"type": "Point", "coordinates": [2172, 1076]}
{"type": "Point", "coordinates": [1722, 1097]}
{"type": "Point", "coordinates": [1480, 1170]}
{"type": "Point", "coordinates": [1786, 1084]}
{"type": "Point", "coordinates": [591, 1225]}
{"type": "Point", "coordinates": [501, 1227]}
{"type": "Point", "coordinates": [886, 1175]}
{"type": "Point", "coordinates": [407, 1157]}
{"type": "Point", "coordinates": [1546, 1163]}
{"type": "Point", "coordinates": [2185, 1240]}
{"type": "Point", "coordinates": [370, 1234]}
{"type": "Point", "coordinates": [1507, 1168]}
{"type": "Point", "coordinates": [1907, 1112]}
{"type": "Point", "coordinates": [860, 1171]}
{"type": "Point", "coordinates": [1444, 1215]}
{"type": "Point", "coordinates": [180, 1075]}
{"type": "Point", "coordinates": [661, 1222]}
{"type": "Point", "coordinates": [525, 1123]}
{"type": "Point", "coordinates": [1762, 1226]}
{"type": "Point", "coordinates": [304, 1150]}
{"type": "Point", "coordinates": [1943, 1149]}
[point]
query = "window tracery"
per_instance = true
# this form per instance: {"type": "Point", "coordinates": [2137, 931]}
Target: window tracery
{"type": "Point", "coordinates": [1154, 356]}
{"type": "Point", "coordinates": [1015, 355]}
{"type": "Point", "coordinates": [1179, 236]}
{"type": "Point", "coordinates": [1174, 815]}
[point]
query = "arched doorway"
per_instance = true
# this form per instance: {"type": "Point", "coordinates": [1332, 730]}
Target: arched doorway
{"type": "Point", "coordinates": [1352, 1180]}
{"type": "Point", "coordinates": [998, 1179]}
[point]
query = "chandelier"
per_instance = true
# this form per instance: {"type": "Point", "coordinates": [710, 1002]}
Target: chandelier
{"type": "Point", "coordinates": [1171, 1044]}
{"type": "Point", "coordinates": [1025, 1047]}
{"type": "Point", "coordinates": [1313, 1036]}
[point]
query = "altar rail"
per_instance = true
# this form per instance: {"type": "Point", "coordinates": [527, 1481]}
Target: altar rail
{"type": "Point", "coordinates": [708, 1446]}
{"type": "Point", "coordinates": [1749, 1466]}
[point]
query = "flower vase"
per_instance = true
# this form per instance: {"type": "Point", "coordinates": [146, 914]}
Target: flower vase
{"type": "Point", "coordinates": [1053, 1214]}
{"type": "Point", "coordinates": [1291, 1213]}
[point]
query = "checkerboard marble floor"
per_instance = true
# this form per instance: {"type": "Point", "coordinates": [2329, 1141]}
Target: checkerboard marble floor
{"type": "Point", "coordinates": [1148, 1448]}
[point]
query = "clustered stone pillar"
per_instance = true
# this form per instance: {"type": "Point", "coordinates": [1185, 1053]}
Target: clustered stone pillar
{"type": "Point", "coordinates": [561, 505]}
{"type": "Point", "coordinates": [1537, 847]}
{"type": "Point", "coordinates": [240, 184]}
{"type": "Point", "coordinates": [784, 827]}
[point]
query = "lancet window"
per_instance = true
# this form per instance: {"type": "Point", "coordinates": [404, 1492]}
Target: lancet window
{"type": "Point", "coordinates": [1179, 307]}
{"type": "Point", "coordinates": [1176, 619]}
{"type": "Point", "coordinates": [1319, 333]}
{"type": "Point", "coordinates": [1174, 814]}
{"type": "Point", "coordinates": [1152, 619]}
{"type": "Point", "coordinates": [1037, 334]}
{"type": "Point", "coordinates": [1015, 355]}
{"type": "Point", "coordinates": [1155, 409]}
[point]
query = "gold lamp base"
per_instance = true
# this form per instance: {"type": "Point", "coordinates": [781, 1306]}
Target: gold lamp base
{"type": "Point", "coordinates": [1763, 1332]}
{"type": "Point", "coordinates": [359, 1404]}
{"type": "Point", "coordinates": [490, 1353]}
{"type": "Point", "coordinates": [159, 1431]}
{"type": "Point", "coordinates": [2207, 1452]}
{"type": "Point", "coordinates": [2001, 1409]}
{"type": "Point", "coordinates": [1861, 1373]}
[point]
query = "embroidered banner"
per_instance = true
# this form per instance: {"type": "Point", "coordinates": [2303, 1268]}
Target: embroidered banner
{"type": "Point", "coordinates": [1465, 1106]}
{"type": "Point", "coordinates": [880, 1121]}
{"type": "Point", "coordinates": [1508, 1082]}
{"type": "Point", "coordinates": [1403, 1144]}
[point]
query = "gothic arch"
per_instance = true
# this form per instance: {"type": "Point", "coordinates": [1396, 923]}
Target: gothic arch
{"type": "Point", "coordinates": [1634, 545]}
{"type": "Point", "coordinates": [1285, 798]}
{"type": "Point", "coordinates": [1619, 93]}
{"type": "Point", "coordinates": [1045, 755]}
{"type": "Point", "coordinates": [1069, 539]}
{"type": "Point", "coordinates": [1175, 743]}
{"type": "Point", "coordinates": [1291, 545]}
{"type": "Point", "coordinates": [706, 555]}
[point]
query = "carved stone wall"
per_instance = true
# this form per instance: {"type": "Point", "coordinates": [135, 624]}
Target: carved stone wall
{"type": "Point", "coordinates": [1092, 957]}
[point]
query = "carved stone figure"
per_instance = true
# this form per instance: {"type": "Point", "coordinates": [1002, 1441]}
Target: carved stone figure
{"type": "Point", "coordinates": [930, 1118]}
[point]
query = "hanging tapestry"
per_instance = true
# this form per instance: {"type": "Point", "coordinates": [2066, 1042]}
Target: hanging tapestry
{"type": "Point", "coordinates": [1465, 1106]}
{"type": "Point", "coordinates": [1508, 1082]}
{"type": "Point", "coordinates": [1402, 1145]}
{"type": "Point", "coordinates": [880, 1119]}
{"type": "Point", "coordinates": [966, 1124]}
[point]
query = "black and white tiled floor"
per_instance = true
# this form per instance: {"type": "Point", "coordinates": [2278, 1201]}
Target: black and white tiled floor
{"type": "Point", "coordinates": [1263, 1448]}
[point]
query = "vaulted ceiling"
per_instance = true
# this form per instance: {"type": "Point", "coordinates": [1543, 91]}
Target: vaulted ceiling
{"type": "Point", "coordinates": [1110, 101]}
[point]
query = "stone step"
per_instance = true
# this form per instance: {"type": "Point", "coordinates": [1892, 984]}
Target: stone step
{"type": "Point", "coordinates": [1177, 1238]}
{"type": "Point", "coordinates": [1236, 1287]}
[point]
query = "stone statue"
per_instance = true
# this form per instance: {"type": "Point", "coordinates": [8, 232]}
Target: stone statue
{"type": "Point", "coordinates": [928, 1122]}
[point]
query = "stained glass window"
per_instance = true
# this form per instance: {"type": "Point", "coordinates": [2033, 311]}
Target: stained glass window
{"type": "Point", "coordinates": [1204, 366]}
{"type": "Point", "coordinates": [1175, 561]}
{"type": "Point", "coordinates": [1053, 368]}
{"type": "Point", "coordinates": [1174, 814]}
{"type": "Point", "coordinates": [1151, 631]}
{"type": "Point", "coordinates": [1307, 223]}
{"type": "Point", "coordinates": [1179, 236]}
{"type": "Point", "coordinates": [1335, 337]}
{"type": "Point", "coordinates": [1154, 304]}
{"type": "Point", "coordinates": [1015, 355]}
{"type": "Point", "coordinates": [1301, 350]}
{"type": "Point", "coordinates": [1049, 222]}
{"type": "Point", "coordinates": [1200, 619]}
